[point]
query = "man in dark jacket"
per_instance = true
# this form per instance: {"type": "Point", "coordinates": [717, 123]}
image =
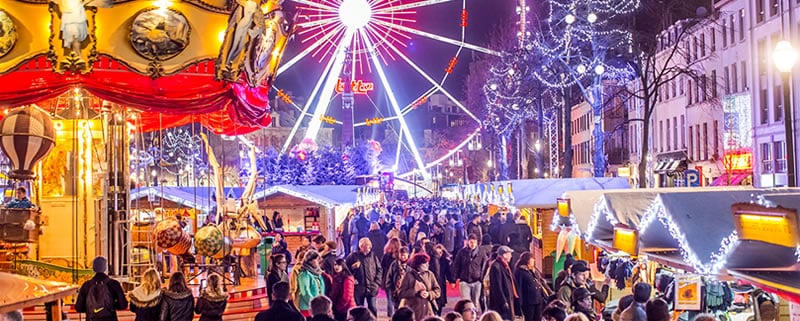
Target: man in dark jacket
{"type": "Point", "coordinates": [110, 287]}
{"type": "Point", "coordinates": [502, 291]}
{"type": "Point", "coordinates": [495, 228]}
{"type": "Point", "coordinates": [366, 269]}
{"type": "Point", "coordinates": [459, 238]}
{"type": "Point", "coordinates": [329, 257]}
{"type": "Point", "coordinates": [321, 309]}
{"type": "Point", "coordinates": [377, 238]}
{"type": "Point", "coordinates": [280, 309]}
{"type": "Point", "coordinates": [467, 268]}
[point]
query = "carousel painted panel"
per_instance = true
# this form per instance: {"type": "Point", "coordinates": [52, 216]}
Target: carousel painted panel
{"type": "Point", "coordinates": [25, 33]}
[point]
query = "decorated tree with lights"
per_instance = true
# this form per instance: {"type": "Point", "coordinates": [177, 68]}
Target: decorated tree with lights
{"type": "Point", "coordinates": [583, 44]}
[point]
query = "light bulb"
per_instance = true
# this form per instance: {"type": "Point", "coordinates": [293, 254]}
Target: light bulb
{"type": "Point", "coordinates": [599, 69]}
{"type": "Point", "coordinates": [581, 69]}
{"type": "Point", "coordinates": [569, 19]}
{"type": "Point", "coordinates": [591, 18]}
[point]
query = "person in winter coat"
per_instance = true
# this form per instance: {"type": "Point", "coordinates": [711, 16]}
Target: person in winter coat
{"type": "Point", "coordinates": [343, 290]}
{"type": "Point", "coordinates": [582, 304]}
{"type": "Point", "coordinates": [502, 290]}
{"type": "Point", "coordinates": [309, 282]}
{"type": "Point", "coordinates": [468, 267]}
{"type": "Point", "coordinates": [378, 239]}
{"type": "Point", "coordinates": [212, 300]}
{"type": "Point", "coordinates": [145, 299]}
{"type": "Point", "coordinates": [277, 273]}
{"type": "Point", "coordinates": [111, 288]}
{"type": "Point", "coordinates": [366, 268]}
{"type": "Point", "coordinates": [394, 275]}
{"type": "Point", "coordinates": [442, 260]}
{"type": "Point", "coordinates": [449, 234]}
{"type": "Point", "coordinates": [460, 237]}
{"type": "Point", "coordinates": [525, 233]}
{"type": "Point", "coordinates": [390, 254]}
{"type": "Point", "coordinates": [531, 288]}
{"type": "Point", "coordinates": [178, 302]}
{"type": "Point", "coordinates": [344, 232]}
{"type": "Point", "coordinates": [281, 309]}
{"type": "Point", "coordinates": [294, 275]}
{"type": "Point", "coordinates": [328, 257]}
{"type": "Point", "coordinates": [418, 288]}
{"type": "Point", "coordinates": [474, 226]}
{"type": "Point", "coordinates": [578, 278]}
{"type": "Point", "coordinates": [280, 247]}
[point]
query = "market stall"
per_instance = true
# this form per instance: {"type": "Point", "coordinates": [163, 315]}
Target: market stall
{"type": "Point", "coordinates": [309, 209]}
{"type": "Point", "coordinates": [768, 250]}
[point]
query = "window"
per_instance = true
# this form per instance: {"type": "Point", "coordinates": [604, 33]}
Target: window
{"type": "Point", "coordinates": [744, 75]}
{"type": "Point", "coordinates": [714, 83]}
{"type": "Point", "coordinates": [713, 38]}
{"type": "Point", "coordinates": [669, 146]}
{"type": "Point", "coordinates": [778, 103]}
{"type": "Point", "coordinates": [762, 57]}
{"type": "Point", "coordinates": [716, 139]}
{"type": "Point", "coordinates": [674, 88]}
{"type": "Point", "coordinates": [763, 106]}
{"type": "Point", "coordinates": [724, 33]}
{"type": "Point", "coordinates": [691, 140]}
{"type": "Point", "coordinates": [660, 135]}
{"type": "Point", "coordinates": [727, 82]}
{"type": "Point", "coordinates": [683, 133]}
{"type": "Point", "coordinates": [702, 45]}
{"type": "Point", "coordinates": [705, 141]}
{"type": "Point", "coordinates": [734, 79]}
{"type": "Point", "coordinates": [691, 97]}
{"type": "Point", "coordinates": [696, 49]}
{"type": "Point", "coordinates": [675, 133]}
{"type": "Point", "coordinates": [773, 8]}
{"type": "Point", "coordinates": [766, 158]}
{"type": "Point", "coordinates": [760, 11]}
{"type": "Point", "coordinates": [682, 85]}
{"type": "Point", "coordinates": [697, 145]}
{"type": "Point", "coordinates": [703, 89]}
{"type": "Point", "coordinates": [741, 24]}
{"type": "Point", "coordinates": [733, 31]}
{"type": "Point", "coordinates": [779, 150]}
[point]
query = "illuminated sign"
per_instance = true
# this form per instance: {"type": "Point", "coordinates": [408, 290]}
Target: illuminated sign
{"type": "Point", "coordinates": [626, 240]}
{"type": "Point", "coordinates": [770, 225]}
{"type": "Point", "coordinates": [738, 161]}
{"type": "Point", "coordinates": [359, 87]}
{"type": "Point", "coordinates": [563, 207]}
{"type": "Point", "coordinates": [737, 122]}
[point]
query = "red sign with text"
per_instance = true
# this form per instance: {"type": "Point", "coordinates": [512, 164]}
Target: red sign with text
{"type": "Point", "coordinates": [359, 87]}
{"type": "Point", "coordinates": [742, 161]}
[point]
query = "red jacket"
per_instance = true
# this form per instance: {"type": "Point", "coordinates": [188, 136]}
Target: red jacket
{"type": "Point", "coordinates": [343, 293]}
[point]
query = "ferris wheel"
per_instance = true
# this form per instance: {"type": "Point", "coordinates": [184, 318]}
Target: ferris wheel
{"type": "Point", "coordinates": [374, 46]}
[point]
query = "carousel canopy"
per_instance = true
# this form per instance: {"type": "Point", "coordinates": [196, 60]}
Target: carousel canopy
{"type": "Point", "coordinates": [329, 196]}
{"type": "Point", "coordinates": [22, 291]}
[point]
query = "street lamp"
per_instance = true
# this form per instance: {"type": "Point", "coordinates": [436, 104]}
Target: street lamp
{"type": "Point", "coordinates": [785, 57]}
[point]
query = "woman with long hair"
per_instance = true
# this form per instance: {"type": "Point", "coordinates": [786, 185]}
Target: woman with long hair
{"type": "Point", "coordinates": [418, 288]}
{"type": "Point", "coordinates": [146, 298]}
{"type": "Point", "coordinates": [277, 273]}
{"type": "Point", "coordinates": [309, 282]}
{"type": "Point", "coordinates": [212, 301]}
{"type": "Point", "coordinates": [343, 290]}
{"type": "Point", "coordinates": [390, 252]}
{"type": "Point", "coordinates": [530, 288]}
{"type": "Point", "coordinates": [178, 302]}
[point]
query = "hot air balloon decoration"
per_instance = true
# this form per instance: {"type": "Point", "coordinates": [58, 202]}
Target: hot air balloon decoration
{"type": "Point", "coordinates": [27, 135]}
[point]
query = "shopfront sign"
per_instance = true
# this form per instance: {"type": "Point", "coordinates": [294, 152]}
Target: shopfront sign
{"type": "Point", "coordinates": [563, 207]}
{"type": "Point", "coordinates": [626, 240]}
{"type": "Point", "coordinates": [687, 292]}
{"type": "Point", "coordinates": [770, 225]}
{"type": "Point", "coordinates": [739, 161]}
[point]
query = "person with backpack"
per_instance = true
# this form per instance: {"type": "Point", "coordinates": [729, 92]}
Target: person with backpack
{"type": "Point", "coordinates": [178, 301]}
{"type": "Point", "coordinates": [100, 297]}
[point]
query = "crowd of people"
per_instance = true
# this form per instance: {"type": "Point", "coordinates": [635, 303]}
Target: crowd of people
{"type": "Point", "coordinates": [411, 252]}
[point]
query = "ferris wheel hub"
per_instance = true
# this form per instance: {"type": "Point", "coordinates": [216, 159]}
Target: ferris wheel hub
{"type": "Point", "coordinates": [355, 14]}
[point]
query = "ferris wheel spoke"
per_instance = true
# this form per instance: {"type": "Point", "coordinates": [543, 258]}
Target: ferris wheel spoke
{"type": "Point", "coordinates": [323, 100]}
{"type": "Point", "coordinates": [439, 38]}
{"type": "Point", "coordinates": [421, 99]}
{"type": "Point", "coordinates": [432, 81]}
{"type": "Point", "coordinates": [314, 92]}
{"type": "Point", "coordinates": [418, 4]}
{"type": "Point", "coordinates": [393, 102]}
{"type": "Point", "coordinates": [315, 23]}
{"type": "Point", "coordinates": [316, 5]}
{"type": "Point", "coordinates": [305, 52]}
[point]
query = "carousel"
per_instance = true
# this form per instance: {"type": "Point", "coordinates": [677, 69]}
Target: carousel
{"type": "Point", "coordinates": [83, 80]}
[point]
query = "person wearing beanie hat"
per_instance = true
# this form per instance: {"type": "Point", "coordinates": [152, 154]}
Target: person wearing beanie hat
{"type": "Point", "coordinates": [309, 282]}
{"type": "Point", "coordinates": [101, 296]}
{"type": "Point", "coordinates": [418, 288]}
{"type": "Point", "coordinates": [637, 311]}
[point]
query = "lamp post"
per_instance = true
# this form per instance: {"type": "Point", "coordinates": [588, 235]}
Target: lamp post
{"type": "Point", "coordinates": [785, 57]}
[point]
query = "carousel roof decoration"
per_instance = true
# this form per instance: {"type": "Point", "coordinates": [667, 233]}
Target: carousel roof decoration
{"type": "Point", "coordinates": [156, 57]}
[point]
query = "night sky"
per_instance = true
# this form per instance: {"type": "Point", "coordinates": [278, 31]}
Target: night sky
{"type": "Point", "coordinates": [485, 17]}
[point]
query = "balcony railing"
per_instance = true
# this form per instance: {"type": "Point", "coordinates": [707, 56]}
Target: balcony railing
{"type": "Point", "coordinates": [780, 166]}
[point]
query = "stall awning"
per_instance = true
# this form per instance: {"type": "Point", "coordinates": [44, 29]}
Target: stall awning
{"type": "Point", "coordinates": [544, 193]}
{"type": "Point", "coordinates": [668, 166]}
{"type": "Point", "coordinates": [326, 195]}
{"type": "Point", "coordinates": [784, 283]}
{"type": "Point", "coordinates": [193, 197]}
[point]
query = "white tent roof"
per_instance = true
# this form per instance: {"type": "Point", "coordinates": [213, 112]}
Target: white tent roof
{"type": "Point", "coordinates": [326, 195]}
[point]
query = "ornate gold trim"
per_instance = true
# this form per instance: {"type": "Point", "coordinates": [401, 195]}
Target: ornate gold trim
{"type": "Point", "coordinates": [156, 56]}
{"type": "Point", "coordinates": [161, 73]}
{"type": "Point", "coordinates": [23, 62]}
{"type": "Point", "coordinates": [197, 3]}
